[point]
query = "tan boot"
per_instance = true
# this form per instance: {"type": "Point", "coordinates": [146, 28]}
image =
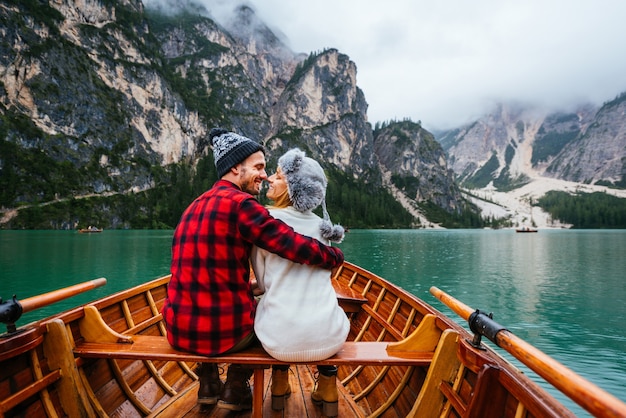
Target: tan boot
{"type": "Point", "coordinates": [325, 394]}
{"type": "Point", "coordinates": [210, 384]}
{"type": "Point", "coordinates": [237, 395]}
{"type": "Point", "coordinates": [280, 388]}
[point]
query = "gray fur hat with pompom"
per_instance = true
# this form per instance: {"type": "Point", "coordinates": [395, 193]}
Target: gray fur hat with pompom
{"type": "Point", "coordinates": [306, 185]}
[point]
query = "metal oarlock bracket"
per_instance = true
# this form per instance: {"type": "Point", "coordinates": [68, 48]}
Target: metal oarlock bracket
{"type": "Point", "coordinates": [10, 312]}
{"type": "Point", "coordinates": [483, 324]}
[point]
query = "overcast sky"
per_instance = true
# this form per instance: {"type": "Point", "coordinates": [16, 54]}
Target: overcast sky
{"type": "Point", "coordinates": [447, 62]}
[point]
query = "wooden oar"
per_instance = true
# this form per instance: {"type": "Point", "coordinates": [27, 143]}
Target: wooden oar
{"type": "Point", "coordinates": [594, 399]}
{"type": "Point", "coordinates": [36, 302]}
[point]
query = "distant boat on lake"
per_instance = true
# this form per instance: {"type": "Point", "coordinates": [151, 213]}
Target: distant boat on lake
{"type": "Point", "coordinates": [526, 229]}
{"type": "Point", "coordinates": [90, 230]}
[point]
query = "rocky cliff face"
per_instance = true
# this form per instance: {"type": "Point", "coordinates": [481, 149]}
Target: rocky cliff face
{"type": "Point", "coordinates": [108, 95]}
{"type": "Point", "coordinates": [512, 145]}
{"type": "Point", "coordinates": [498, 142]}
{"type": "Point", "coordinates": [85, 79]}
{"type": "Point", "coordinates": [323, 109]}
{"type": "Point", "coordinates": [597, 155]}
{"type": "Point", "coordinates": [416, 164]}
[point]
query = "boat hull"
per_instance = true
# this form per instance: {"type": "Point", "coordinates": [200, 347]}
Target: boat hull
{"type": "Point", "coordinates": [40, 377]}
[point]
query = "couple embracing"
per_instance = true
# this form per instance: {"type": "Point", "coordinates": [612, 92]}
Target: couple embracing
{"type": "Point", "coordinates": [210, 307]}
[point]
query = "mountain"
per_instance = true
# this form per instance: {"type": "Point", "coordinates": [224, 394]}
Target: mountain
{"type": "Point", "coordinates": [515, 155]}
{"type": "Point", "coordinates": [105, 109]}
{"type": "Point", "coordinates": [597, 155]}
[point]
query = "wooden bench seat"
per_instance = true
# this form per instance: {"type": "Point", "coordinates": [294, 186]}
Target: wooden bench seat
{"type": "Point", "coordinates": [150, 347]}
{"type": "Point", "coordinates": [100, 341]}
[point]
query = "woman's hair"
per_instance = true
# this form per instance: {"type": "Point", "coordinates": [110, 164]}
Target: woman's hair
{"type": "Point", "coordinates": [282, 201]}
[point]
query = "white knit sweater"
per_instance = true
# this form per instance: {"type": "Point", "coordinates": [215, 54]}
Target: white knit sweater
{"type": "Point", "coordinates": [298, 318]}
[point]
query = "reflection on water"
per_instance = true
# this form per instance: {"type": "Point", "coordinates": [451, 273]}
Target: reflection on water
{"type": "Point", "coordinates": [562, 291]}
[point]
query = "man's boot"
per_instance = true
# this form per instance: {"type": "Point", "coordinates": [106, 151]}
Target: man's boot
{"type": "Point", "coordinates": [280, 387]}
{"type": "Point", "coordinates": [325, 392]}
{"type": "Point", "coordinates": [210, 384]}
{"type": "Point", "coordinates": [236, 395]}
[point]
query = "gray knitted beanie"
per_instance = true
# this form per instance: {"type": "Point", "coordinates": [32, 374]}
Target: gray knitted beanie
{"type": "Point", "coordinates": [306, 185]}
{"type": "Point", "coordinates": [229, 149]}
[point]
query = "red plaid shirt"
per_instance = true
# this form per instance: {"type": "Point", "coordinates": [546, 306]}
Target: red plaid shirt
{"type": "Point", "coordinates": [209, 305]}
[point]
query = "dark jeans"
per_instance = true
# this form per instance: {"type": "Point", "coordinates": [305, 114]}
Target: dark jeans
{"type": "Point", "coordinates": [244, 343]}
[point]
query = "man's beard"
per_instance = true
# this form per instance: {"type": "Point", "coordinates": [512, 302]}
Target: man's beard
{"type": "Point", "coordinates": [247, 185]}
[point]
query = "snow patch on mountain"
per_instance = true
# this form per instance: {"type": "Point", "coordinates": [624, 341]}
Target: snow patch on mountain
{"type": "Point", "coordinates": [517, 204]}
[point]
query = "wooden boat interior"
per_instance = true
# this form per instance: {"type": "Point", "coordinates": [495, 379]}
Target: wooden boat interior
{"type": "Point", "coordinates": [42, 373]}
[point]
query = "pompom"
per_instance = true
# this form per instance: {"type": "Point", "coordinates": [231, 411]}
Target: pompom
{"type": "Point", "coordinates": [216, 132]}
{"type": "Point", "coordinates": [333, 233]}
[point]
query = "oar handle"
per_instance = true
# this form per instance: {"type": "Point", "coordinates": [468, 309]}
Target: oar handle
{"type": "Point", "coordinates": [591, 397]}
{"type": "Point", "coordinates": [457, 306]}
{"type": "Point", "coordinates": [36, 302]}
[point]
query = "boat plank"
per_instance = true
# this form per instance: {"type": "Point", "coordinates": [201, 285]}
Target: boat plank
{"type": "Point", "coordinates": [185, 404]}
{"type": "Point", "coordinates": [300, 383]}
{"type": "Point", "coordinates": [348, 299]}
{"type": "Point", "coordinates": [491, 397]}
{"type": "Point", "coordinates": [299, 404]}
{"type": "Point", "coordinates": [29, 391]}
{"type": "Point", "coordinates": [104, 385]}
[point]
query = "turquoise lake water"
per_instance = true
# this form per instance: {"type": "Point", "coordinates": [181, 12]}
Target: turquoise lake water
{"type": "Point", "coordinates": [564, 291]}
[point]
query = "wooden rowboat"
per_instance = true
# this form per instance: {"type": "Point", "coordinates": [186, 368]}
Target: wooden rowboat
{"type": "Point", "coordinates": [44, 374]}
{"type": "Point", "coordinates": [90, 230]}
{"type": "Point", "coordinates": [525, 229]}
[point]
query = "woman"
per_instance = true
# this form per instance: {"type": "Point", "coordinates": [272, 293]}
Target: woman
{"type": "Point", "coordinates": [298, 319]}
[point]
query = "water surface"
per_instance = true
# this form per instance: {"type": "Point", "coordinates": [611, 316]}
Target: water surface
{"type": "Point", "coordinates": [563, 291]}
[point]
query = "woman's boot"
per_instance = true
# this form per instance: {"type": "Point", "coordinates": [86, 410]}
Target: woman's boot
{"type": "Point", "coordinates": [237, 395]}
{"type": "Point", "coordinates": [280, 387]}
{"type": "Point", "coordinates": [325, 392]}
{"type": "Point", "coordinates": [210, 384]}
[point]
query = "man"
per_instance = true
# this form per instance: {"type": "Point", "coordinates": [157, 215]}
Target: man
{"type": "Point", "coordinates": [209, 308]}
